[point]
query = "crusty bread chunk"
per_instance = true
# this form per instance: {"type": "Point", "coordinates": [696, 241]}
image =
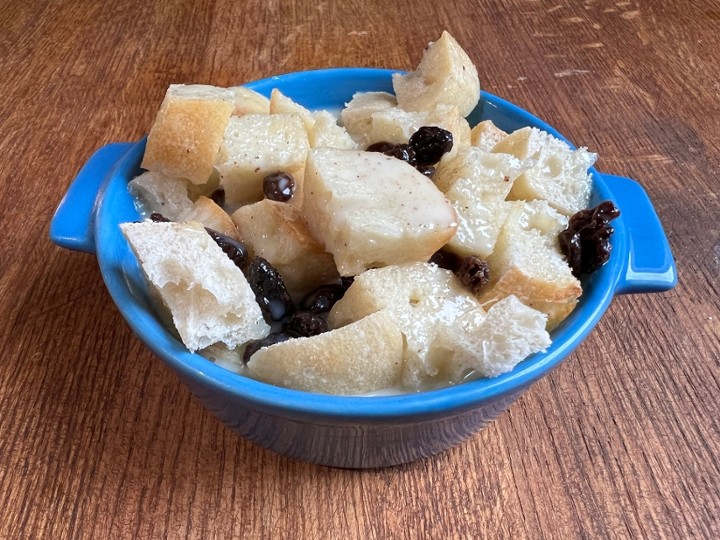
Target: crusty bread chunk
{"type": "Point", "coordinates": [486, 135]}
{"type": "Point", "coordinates": [357, 115]}
{"type": "Point", "coordinates": [527, 262]}
{"type": "Point", "coordinates": [476, 183]}
{"type": "Point", "coordinates": [396, 125]}
{"type": "Point", "coordinates": [556, 312]}
{"type": "Point", "coordinates": [371, 210]}
{"type": "Point", "coordinates": [277, 232]}
{"type": "Point", "coordinates": [445, 75]}
{"type": "Point", "coordinates": [207, 212]}
{"type": "Point", "coordinates": [327, 132]}
{"type": "Point", "coordinates": [421, 298]}
{"type": "Point", "coordinates": [208, 296]}
{"type": "Point", "coordinates": [361, 357]}
{"type": "Point", "coordinates": [188, 130]}
{"type": "Point", "coordinates": [553, 171]}
{"type": "Point", "coordinates": [489, 344]}
{"type": "Point", "coordinates": [255, 146]}
{"type": "Point", "coordinates": [249, 102]}
{"type": "Point", "coordinates": [281, 104]}
{"type": "Point", "coordinates": [159, 193]}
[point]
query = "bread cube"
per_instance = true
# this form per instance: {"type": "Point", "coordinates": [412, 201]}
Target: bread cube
{"type": "Point", "coordinates": [327, 132]}
{"type": "Point", "coordinates": [158, 193]}
{"type": "Point", "coordinates": [554, 172]}
{"type": "Point", "coordinates": [188, 131]}
{"type": "Point", "coordinates": [476, 184]}
{"type": "Point", "coordinates": [277, 232]}
{"type": "Point", "coordinates": [281, 104]}
{"type": "Point", "coordinates": [371, 210]}
{"type": "Point", "coordinates": [255, 146]}
{"type": "Point", "coordinates": [230, 359]}
{"type": "Point", "coordinates": [421, 298]}
{"type": "Point", "coordinates": [486, 135]}
{"type": "Point", "coordinates": [208, 213]}
{"type": "Point", "coordinates": [357, 115]}
{"type": "Point", "coordinates": [208, 296]}
{"type": "Point", "coordinates": [445, 75]}
{"type": "Point", "coordinates": [361, 357]}
{"type": "Point", "coordinates": [396, 125]}
{"type": "Point", "coordinates": [527, 262]}
{"type": "Point", "coordinates": [489, 344]}
{"type": "Point", "coordinates": [249, 102]}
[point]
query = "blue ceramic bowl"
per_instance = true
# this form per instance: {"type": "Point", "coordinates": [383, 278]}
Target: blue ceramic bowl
{"type": "Point", "coordinates": [346, 431]}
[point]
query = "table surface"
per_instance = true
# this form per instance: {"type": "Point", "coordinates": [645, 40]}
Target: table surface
{"type": "Point", "coordinates": [99, 440]}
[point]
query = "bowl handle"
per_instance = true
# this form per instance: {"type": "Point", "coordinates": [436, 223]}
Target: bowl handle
{"type": "Point", "coordinates": [650, 266]}
{"type": "Point", "coordinates": [72, 226]}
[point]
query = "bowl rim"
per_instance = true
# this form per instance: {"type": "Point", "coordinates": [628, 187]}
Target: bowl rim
{"type": "Point", "coordinates": [120, 270]}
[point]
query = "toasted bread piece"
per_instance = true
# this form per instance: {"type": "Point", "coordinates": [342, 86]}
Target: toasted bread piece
{"type": "Point", "coordinates": [277, 232]}
{"type": "Point", "coordinates": [527, 262]}
{"type": "Point", "coordinates": [421, 298]}
{"type": "Point", "coordinates": [188, 130]}
{"type": "Point", "coordinates": [207, 212]}
{"type": "Point", "coordinates": [370, 210]}
{"type": "Point", "coordinates": [556, 312]}
{"type": "Point", "coordinates": [396, 125]}
{"type": "Point", "coordinates": [476, 183]}
{"type": "Point", "coordinates": [162, 194]}
{"type": "Point", "coordinates": [327, 132]}
{"type": "Point", "coordinates": [445, 75]}
{"type": "Point", "coordinates": [281, 104]}
{"type": "Point", "coordinates": [361, 357]}
{"type": "Point", "coordinates": [208, 296]}
{"type": "Point", "coordinates": [255, 146]}
{"type": "Point", "coordinates": [357, 115]}
{"type": "Point", "coordinates": [489, 344]}
{"type": "Point", "coordinates": [486, 135]}
{"type": "Point", "coordinates": [554, 172]}
{"type": "Point", "coordinates": [249, 102]}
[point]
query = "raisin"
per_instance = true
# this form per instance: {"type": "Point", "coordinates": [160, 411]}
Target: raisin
{"type": "Point", "coordinates": [157, 217]}
{"type": "Point", "coordinates": [218, 197]}
{"type": "Point", "coordinates": [381, 147]}
{"type": "Point", "coordinates": [323, 298]}
{"type": "Point", "coordinates": [427, 170]}
{"type": "Point", "coordinates": [279, 186]}
{"type": "Point", "coordinates": [269, 288]}
{"type": "Point", "coordinates": [271, 339]}
{"type": "Point", "coordinates": [586, 240]}
{"type": "Point", "coordinates": [305, 324]}
{"type": "Point", "coordinates": [231, 247]}
{"type": "Point", "coordinates": [445, 259]}
{"type": "Point", "coordinates": [473, 272]}
{"type": "Point", "coordinates": [430, 144]}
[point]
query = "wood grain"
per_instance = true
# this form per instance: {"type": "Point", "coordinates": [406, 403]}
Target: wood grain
{"type": "Point", "coordinates": [99, 440]}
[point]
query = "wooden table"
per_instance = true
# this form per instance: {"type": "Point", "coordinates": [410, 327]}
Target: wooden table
{"type": "Point", "coordinates": [99, 440]}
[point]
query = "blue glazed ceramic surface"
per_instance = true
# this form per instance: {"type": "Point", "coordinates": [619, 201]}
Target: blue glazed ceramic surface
{"type": "Point", "coordinates": [338, 430]}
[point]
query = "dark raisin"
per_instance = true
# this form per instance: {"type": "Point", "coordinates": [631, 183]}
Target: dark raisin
{"type": "Point", "coordinates": [269, 288]}
{"type": "Point", "coordinates": [218, 197]}
{"type": "Point", "coordinates": [430, 143]}
{"type": "Point", "coordinates": [586, 240]}
{"type": "Point", "coordinates": [427, 170]}
{"type": "Point", "coordinates": [305, 324]}
{"type": "Point", "coordinates": [473, 272]}
{"type": "Point", "coordinates": [445, 259]}
{"type": "Point", "coordinates": [381, 147]}
{"type": "Point", "coordinates": [157, 217]}
{"type": "Point", "coordinates": [403, 152]}
{"type": "Point", "coordinates": [279, 186]}
{"type": "Point", "coordinates": [271, 339]}
{"type": "Point", "coordinates": [323, 298]}
{"type": "Point", "coordinates": [231, 247]}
